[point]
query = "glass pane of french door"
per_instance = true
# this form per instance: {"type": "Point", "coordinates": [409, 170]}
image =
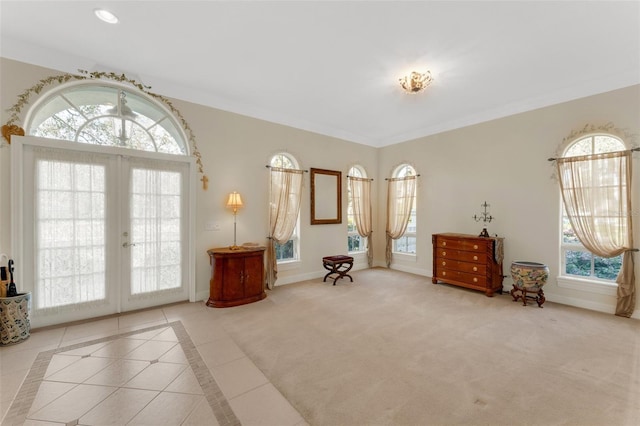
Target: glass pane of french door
{"type": "Point", "coordinates": [70, 232]}
{"type": "Point", "coordinates": [67, 234]}
{"type": "Point", "coordinates": [153, 241]}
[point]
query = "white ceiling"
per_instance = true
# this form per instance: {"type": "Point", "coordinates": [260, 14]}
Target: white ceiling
{"type": "Point", "coordinates": [332, 67]}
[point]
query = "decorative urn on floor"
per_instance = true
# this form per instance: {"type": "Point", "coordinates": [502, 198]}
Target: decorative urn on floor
{"type": "Point", "coordinates": [15, 326]}
{"type": "Point", "coordinates": [529, 277]}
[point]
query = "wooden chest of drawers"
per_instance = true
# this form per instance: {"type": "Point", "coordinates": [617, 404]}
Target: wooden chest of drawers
{"type": "Point", "coordinates": [468, 261]}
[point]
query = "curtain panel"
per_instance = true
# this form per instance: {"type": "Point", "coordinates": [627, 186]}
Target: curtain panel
{"type": "Point", "coordinates": [361, 202]}
{"type": "Point", "coordinates": [284, 207]}
{"type": "Point", "coordinates": [596, 191]}
{"type": "Point", "coordinates": [401, 193]}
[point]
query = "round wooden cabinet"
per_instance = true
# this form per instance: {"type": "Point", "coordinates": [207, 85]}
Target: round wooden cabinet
{"type": "Point", "coordinates": [237, 276]}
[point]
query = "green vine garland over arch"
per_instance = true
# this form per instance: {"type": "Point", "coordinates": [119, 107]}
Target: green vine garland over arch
{"type": "Point", "coordinates": [11, 128]}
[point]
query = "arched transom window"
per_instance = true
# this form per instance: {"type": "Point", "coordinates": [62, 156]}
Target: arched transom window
{"type": "Point", "coordinates": [109, 115]}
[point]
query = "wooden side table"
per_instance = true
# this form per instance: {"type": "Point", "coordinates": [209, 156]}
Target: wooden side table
{"type": "Point", "coordinates": [521, 293]}
{"type": "Point", "coordinates": [338, 265]}
{"type": "Point", "coordinates": [237, 276]}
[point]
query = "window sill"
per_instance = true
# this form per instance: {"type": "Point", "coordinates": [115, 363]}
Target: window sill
{"type": "Point", "coordinates": [590, 286]}
{"type": "Point", "coordinates": [288, 265]}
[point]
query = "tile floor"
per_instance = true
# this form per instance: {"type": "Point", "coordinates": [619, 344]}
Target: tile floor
{"type": "Point", "coordinates": [172, 365]}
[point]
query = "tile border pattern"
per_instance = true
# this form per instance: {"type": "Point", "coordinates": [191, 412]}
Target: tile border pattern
{"type": "Point", "coordinates": [23, 400]}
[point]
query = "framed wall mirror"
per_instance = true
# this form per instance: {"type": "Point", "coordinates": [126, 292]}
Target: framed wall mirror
{"type": "Point", "coordinates": [326, 196]}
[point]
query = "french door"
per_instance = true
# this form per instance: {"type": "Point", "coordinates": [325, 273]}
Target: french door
{"type": "Point", "coordinates": [104, 230]}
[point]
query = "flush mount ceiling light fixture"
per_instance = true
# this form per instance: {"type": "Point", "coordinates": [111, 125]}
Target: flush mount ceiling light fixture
{"type": "Point", "coordinates": [106, 16]}
{"type": "Point", "coordinates": [416, 82]}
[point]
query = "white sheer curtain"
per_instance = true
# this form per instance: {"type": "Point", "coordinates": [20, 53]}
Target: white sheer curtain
{"type": "Point", "coordinates": [361, 202]}
{"type": "Point", "coordinates": [284, 206]}
{"type": "Point", "coordinates": [401, 193]}
{"type": "Point", "coordinates": [156, 234]}
{"type": "Point", "coordinates": [596, 190]}
{"type": "Point", "coordinates": [70, 228]}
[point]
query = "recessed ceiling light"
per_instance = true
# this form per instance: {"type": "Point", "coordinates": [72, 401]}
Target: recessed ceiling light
{"type": "Point", "coordinates": [106, 16]}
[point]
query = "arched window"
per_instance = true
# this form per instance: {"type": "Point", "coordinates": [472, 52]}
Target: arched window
{"type": "Point", "coordinates": [284, 161]}
{"type": "Point", "coordinates": [576, 260]}
{"type": "Point", "coordinates": [289, 251]}
{"type": "Point", "coordinates": [355, 242]}
{"type": "Point", "coordinates": [408, 242]}
{"type": "Point", "coordinates": [106, 114]}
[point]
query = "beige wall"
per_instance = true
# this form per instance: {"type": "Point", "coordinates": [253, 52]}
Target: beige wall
{"type": "Point", "coordinates": [503, 162]}
{"type": "Point", "coordinates": [235, 150]}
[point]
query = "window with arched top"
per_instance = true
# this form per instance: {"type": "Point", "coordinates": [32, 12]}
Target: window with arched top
{"type": "Point", "coordinates": [101, 113]}
{"type": "Point", "coordinates": [289, 251]}
{"type": "Point", "coordinates": [576, 260]}
{"type": "Point", "coordinates": [404, 170]}
{"type": "Point", "coordinates": [408, 242]}
{"type": "Point", "coordinates": [284, 161]}
{"type": "Point", "coordinates": [355, 242]}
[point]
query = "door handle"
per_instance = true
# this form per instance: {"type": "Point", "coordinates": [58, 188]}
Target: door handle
{"type": "Point", "coordinates": [125, 244]}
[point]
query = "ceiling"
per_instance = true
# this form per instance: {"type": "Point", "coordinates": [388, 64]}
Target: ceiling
{"type": "Point", "coordinates": [332, 67]}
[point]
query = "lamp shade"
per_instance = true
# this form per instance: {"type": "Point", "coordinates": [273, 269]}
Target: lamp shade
{"type": "Point", "coordinates": [234, 201]}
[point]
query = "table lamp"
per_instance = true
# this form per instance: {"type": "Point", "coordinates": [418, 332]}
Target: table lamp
{"type": "Point", "coordinates": [234, 202]}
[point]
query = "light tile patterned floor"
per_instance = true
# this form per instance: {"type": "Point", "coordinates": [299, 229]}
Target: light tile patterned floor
{"type": "Point", "coordinates": [168, 373]}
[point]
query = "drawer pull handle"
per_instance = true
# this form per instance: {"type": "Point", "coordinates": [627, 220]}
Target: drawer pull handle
{"type": "Point", "coordinates": [475, 280]}
{"type": "Point", "coordinates": [444, 253]}
{"type": "Point", "coordinates": [444, 263]}
{"type": "Point", "coordinates": [475, 268]}
{"type": "Point", "coordinates": [444, 273]}
{"type": "Point", "coordinates": [444, 243]}
{"type": "Point", "coordinates": [475, 247]}
{"type": "Point", "coordinates": [475, 257]}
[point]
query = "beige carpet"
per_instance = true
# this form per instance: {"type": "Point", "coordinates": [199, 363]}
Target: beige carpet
{"type": "Point", "coordinates": [393, 349]}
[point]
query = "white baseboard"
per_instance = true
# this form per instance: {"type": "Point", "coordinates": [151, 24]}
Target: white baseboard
{"type": "Point", "coordinates": [587, 304]}
{"type": "Point", "coordinates": [313, 275]}
{"type": "Point", "coordinates": [298, 278]}
{"type": "Point", "coordinates": [411, 270]}
{"type": "Point", "coordinates": [565, 300]}
{"type": "Point", "coordinates": [581, 303]}
{"type": "Point", "coordinates": [202, 295]}
{"type": "Point", "coordinates": [404, 268]}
